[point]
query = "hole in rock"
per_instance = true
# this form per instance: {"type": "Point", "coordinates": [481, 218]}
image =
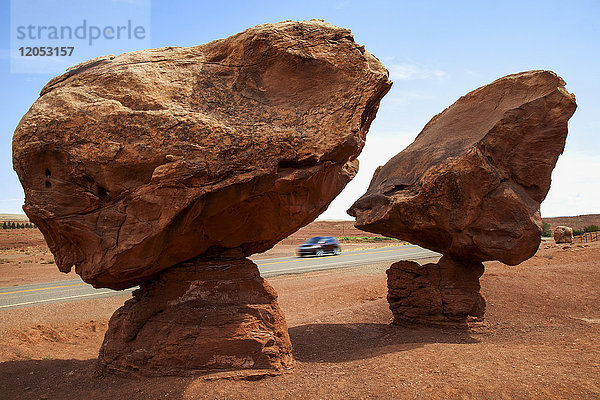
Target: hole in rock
{"type": "Point", "coordinates": [218, 57]}
{"type": "Point", "coordinates": [48, 184]}
{"type": "Point", "coordinates": [307, 162]}
{"type": "Point", "coordinates": [103, 194]}
{"type": "Point", "coordinates": [48, 174]}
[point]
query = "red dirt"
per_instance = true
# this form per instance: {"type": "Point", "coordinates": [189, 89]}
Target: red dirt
{"type": "Point", "coordinates": [539, 340]}
{"type": "Point", "coordinates": [25, 258]}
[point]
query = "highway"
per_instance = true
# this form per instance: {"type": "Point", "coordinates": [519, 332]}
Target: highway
{"type": "Point", "coordinates": [71, 290]}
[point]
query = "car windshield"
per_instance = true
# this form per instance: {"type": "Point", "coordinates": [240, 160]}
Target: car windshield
{"type": "Point", "coordinates": [314, 240]}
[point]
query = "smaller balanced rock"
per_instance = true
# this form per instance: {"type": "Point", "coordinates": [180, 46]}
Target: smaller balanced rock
{"type": "Point", "coordinates": [469, 187]}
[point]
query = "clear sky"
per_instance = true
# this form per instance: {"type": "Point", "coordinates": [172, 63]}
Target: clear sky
{"type": "Point", "coordinates": [436, 51]}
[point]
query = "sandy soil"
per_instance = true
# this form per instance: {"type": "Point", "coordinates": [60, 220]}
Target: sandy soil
{"type": "Point", "coordinates": [25, 258]}
{"type": "Point", "coordinates": [540, 339]}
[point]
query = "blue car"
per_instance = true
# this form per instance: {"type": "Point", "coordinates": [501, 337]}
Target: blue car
{"type": "Point", "coordinates": [319, 246]}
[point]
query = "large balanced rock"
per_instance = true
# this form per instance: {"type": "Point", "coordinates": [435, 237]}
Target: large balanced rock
{"type": "Point", "coordinates": [167, 167]}
{"type": "Point", "coordinates": [563, 234]}
{"type": "Point", "coordinates": [134, 163]}
{"type": "Point", "coordinates": [471, 184]}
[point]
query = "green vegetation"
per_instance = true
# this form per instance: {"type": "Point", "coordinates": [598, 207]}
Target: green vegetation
{"type": "Point", "coordinates": [366, 239]}
{"type": "Point", "coordinates": [586, 229]}
{"type": "Point", "coordinates": [546, 231]}
{"type": "Point", "coordinates": [16, 225]}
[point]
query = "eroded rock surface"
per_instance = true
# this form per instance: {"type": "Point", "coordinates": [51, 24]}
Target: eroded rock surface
{"type": "Point", "coordinates": [134, 163]}
{"type": "Point", "coordinates": [198, 316]}
{"type": "Point", "coordinates": [469, 187]}
{"type": "Point", "coordinates": [563, 234]}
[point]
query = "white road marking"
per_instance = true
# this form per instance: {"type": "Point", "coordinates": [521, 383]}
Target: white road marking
{"type": "Point", "coordinates": [60, 298]}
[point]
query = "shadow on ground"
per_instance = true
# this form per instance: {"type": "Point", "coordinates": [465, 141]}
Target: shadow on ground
{"type": "Point", "coordinates": [76, 379]}
{"type": "Point", "coordinates": [348, 342]}
{"type": "Point", "coordinates": [313, 343]}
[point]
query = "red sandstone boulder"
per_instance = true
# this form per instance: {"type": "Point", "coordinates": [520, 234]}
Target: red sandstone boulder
{"type": "Point", "coordinates": [134, 163]}
{"type": "Point", "coordinates": [471, 184]}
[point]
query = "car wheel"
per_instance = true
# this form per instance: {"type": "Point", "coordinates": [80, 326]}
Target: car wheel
{"type": "Point", "coordinates": [337, 251]}
{"type": "Point", "coordinates": [319, 253]}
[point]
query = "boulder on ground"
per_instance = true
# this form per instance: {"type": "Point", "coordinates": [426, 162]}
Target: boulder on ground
{"type": "Point", "coordinates": [133, 163]}
{"type": "Point", "coordinates": [563, 234]}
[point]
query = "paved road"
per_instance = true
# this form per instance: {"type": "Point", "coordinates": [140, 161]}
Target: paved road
{"type": "Point", "coordinates": [55, 292]}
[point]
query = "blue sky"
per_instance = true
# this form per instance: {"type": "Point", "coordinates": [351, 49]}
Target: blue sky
{"type": "Point", "coordinates": [436, 51]}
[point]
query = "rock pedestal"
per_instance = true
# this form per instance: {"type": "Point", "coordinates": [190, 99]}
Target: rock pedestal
{"type": "Point", "coordinates": [196, 317]}
{"type": "Point", "coordinates": [447, 291]}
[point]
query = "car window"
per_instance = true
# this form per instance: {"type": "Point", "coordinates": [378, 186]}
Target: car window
{"type": "Point", "coordinates": [314, 240]}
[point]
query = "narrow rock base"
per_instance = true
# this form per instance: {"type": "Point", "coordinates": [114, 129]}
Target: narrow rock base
{"type": "Point", "coordinates": [435, 293]}
{"type": "Point", "coordinates": [197, 317]}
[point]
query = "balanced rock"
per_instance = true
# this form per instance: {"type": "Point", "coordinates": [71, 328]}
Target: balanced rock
{"type": "Point", "coordinates": [563, 234]}
{"type": "Point", "coordinates": [471, 184]}
{"type": "Point", "coordinates": [167, 167]}
{"type": "Point", "coordinates": [134, 163]}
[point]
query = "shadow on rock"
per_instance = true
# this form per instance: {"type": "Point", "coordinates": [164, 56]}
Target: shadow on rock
{"type": "Point", "coordinates": [348, 342]}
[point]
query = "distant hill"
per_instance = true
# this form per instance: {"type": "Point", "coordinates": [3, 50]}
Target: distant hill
{"type": "Point", "coordinates": [14, 217]}
{"type": "Point", "coordinates": [577, 222]}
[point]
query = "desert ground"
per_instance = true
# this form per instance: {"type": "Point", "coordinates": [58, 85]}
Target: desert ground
{"type": "Point", "coordinates": [540, 338]}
